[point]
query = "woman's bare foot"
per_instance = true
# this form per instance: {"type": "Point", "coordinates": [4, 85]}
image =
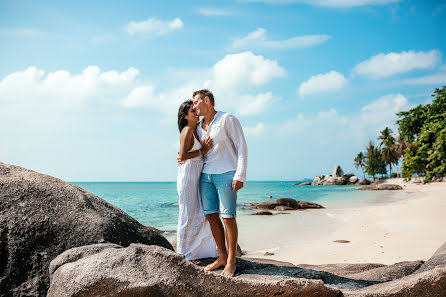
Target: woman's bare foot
{"type": "Point", "coordinates": [220, 262]}
{"type": "Point", "coordinates": [196, 262]}
{"type": "Point", "coordinates": [229, 269]}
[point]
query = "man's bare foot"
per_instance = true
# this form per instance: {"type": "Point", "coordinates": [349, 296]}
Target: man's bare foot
{"type": "Point", "coordinates": [220, 262]}
{"type": "Point", "coordinates": [196, 262]}
{"type": "Point", "coordinates": [229, 269]}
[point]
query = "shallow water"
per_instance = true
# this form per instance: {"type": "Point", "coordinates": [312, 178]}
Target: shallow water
{"type": "Point", "coordinates": [151, 203]}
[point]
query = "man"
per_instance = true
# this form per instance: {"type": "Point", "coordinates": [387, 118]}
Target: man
{"type": "Point", "coordinates": [224, 173]}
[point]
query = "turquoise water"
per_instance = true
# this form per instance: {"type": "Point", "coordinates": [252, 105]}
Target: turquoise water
{"type": "Point", "coordinates": [151, 202]}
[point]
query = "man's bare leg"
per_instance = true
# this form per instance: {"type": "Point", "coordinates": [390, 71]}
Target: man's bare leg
{"type": "Point", "coordinates": [219, 237]}
{"type": "Point", "coordinates": [231, 237]}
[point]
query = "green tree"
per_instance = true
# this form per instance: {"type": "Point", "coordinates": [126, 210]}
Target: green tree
{"type": "Point", "coordinates": [424, 129]}
{"type": "Point", "coordinates": [389, 152]}
{"type": "Point", "coordinates": [374, 163]}
{"type": "Point", "coordinates": [359, 162]}
{"type": "Point", "coordinates": [385, 133]}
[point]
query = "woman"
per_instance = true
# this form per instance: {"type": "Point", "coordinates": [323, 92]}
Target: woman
{"type": "Point", "coordinates": [194, 236]}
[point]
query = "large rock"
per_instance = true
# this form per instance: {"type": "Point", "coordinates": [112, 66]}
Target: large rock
{"type": "Point", "coordinates": [141, 270]}
{"type": "Point", "coordinates": [381, 187]}
{"type": "Point", "coordinates": [266, 205]}
{"type": "Point", "coordinates": [42, 216]}
{"type": "Point", "coordinates": [330, 180]}
{"type": "Point", "coordinates": [290, 202]}
{"type": "Point", "coordinates": [353, 179]}
{"type": "Point", "coordinates": [364, 181]}
{"type": "Point", "coordinates": [338, 172]}
{"type": "Point", "coordinates": [306, 204]}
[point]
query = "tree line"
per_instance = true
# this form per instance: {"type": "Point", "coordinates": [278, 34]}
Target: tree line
{"type": "Point", "coordinates": [420, 143]}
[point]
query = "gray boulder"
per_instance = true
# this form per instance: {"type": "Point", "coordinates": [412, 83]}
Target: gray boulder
{"type": "Point", "coordinates": [338, 172]}
{"type": "Point", "coordinates": [141, 270]}
{"type": "Point", "coordinates": [353, 179]}
{"type": "Point", "coordinates": [381, 187]}
{"type": "Point", "coordinates": [364, 182]}
{"type": "Point", "coordinates": [42, 216]}
{"type": "Point", "coordinates": [290, 202]}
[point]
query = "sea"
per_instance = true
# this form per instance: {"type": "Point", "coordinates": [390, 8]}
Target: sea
{"type": "Point", "coordinates": [153, 203]}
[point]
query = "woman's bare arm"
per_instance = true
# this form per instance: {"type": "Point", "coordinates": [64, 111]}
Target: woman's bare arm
{"type": "Point", "coordinates": [186, 144]}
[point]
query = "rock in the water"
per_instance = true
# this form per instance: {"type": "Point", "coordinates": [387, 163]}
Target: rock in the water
{"type": "Point", "coordinates": [141, 270]}
{"type": "Point", "coordinates": [338, 172]}
{"type": "Point", "coordinates": [289, 202]}
{"type": "Point", "coordinates": [381, 187]}
{"type": "Point", "coordinates": [306, 204]}
{"type": "Point", "coordinates": [283, 208]}
{"type": "Point", "coordinates": [267, 205]}
{"type": "Point", "coordinates": [303, 184]}
{"type": "Point", "coordinates": [42, 216]}
{"type": "Point", "coordinates": [263, 213]}
{"type": "Point", "coordinates": [353, 179]}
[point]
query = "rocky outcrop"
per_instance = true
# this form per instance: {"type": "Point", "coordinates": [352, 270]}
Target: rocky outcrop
{"type": "Point", "coordinates": [381, 187]}
{"type": "Point", "coordinates": [338, 172]}
{"type": "Point", "coordinates": [141, 270]}
{"type": "Point", "coordinates": [42, 216]}
{"type": "Point", "coordinates": [284, 204]}
{"type": "Point", "coordinates": [338, 178]}
{"type": "Point", "coordinates": [303, 184]}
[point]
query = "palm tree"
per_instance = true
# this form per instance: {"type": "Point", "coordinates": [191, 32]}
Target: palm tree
{"type": "Point", "coordinates": [384, 134]}
{"type": "Point", "coordinates": [401, 148]}
{"type": "Point", "coordinates": [390, 151]}
{"type": "Point", "coordinates": [360, 162]}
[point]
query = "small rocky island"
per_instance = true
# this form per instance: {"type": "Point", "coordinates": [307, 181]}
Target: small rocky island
{"type": "Point", "coordinates": [339, 178]}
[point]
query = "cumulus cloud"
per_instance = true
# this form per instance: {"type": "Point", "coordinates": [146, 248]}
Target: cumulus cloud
{"type": "Point", "coordinates": [329, 3]}
{"type": "Point", "coordinates": [323, 83]}
{"type": "Point", "coordinates": [256, 130]}
{"type": "Point", "coordinates": [385, 65]}
{"type": "Point", "coordinates": [254, 104]}
{"type": "Point", "coordinates": [211, 11]}
{"type": "Point", "coordinates": [232, 80]}
{"type": "Point", "coordinates": [257, 39]}
{"type": "Point", "coordinates": [382, 112]}
{"type": "Point", "coordinates": [61, 85]}
{"type": "Point", "coordinates": [245, 70]}
{"type": "Point", "coordinates": [154, 27]}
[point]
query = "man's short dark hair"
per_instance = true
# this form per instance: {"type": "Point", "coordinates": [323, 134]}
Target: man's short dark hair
{"type": "Point", "coordinates": [204, 93]}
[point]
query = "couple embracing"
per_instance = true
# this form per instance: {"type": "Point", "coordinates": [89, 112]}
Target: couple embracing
{"type": "Point", "coordinates": [213, 159]}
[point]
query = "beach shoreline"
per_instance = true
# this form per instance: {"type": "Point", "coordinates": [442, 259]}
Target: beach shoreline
{"type": "Point", "coordinates": [404, 229]}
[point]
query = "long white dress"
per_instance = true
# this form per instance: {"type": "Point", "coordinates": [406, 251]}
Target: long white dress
{"type": "Point", "coordinates": [194, 236]}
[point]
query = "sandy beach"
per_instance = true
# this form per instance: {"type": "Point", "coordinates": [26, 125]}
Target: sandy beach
{"type": "Point", "coordinates": [403, 229]}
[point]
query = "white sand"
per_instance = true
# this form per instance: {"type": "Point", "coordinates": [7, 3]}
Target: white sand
{"type": "Point", "coordinates": [403, 230]}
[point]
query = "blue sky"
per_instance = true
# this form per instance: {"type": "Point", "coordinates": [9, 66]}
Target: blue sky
{"type": "Point", "coordinates": [90, 91]}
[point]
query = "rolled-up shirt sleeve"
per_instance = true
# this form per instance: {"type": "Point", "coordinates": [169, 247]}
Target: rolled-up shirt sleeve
{"type": "Point", "coordinates": [235, 134]}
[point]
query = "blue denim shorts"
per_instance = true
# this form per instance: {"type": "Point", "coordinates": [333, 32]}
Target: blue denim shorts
{"type": "Point", "coordinates": [217, 195]}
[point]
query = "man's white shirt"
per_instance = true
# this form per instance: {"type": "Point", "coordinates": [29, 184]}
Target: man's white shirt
{"type": "Point", "coordinates": [229, 152]}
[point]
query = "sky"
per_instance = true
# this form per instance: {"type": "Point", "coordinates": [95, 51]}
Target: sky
{"type": "Point", "coordinates": [90, 90]}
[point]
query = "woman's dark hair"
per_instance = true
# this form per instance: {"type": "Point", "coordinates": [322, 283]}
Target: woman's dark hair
{"type": "Point", "coordinates": [182, 113]}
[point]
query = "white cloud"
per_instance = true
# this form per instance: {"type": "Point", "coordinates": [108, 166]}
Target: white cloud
{"type": "Point", "coordinates": [210, 11]}
{"type": "Point", "coordinates": [385, 65]}
{"type": "Point", "coordinates": [257, 39]}
{"type": "Point", "coordinates": [256, 130]}
{"type": "Point", "coordinates": [323, 83]}
{"type": "Point", "coordinates": [245, 70]}
{"type": "Point", "coordinates": [229, 79]}
{"type": "Point", "coordinates": [154, 27]}
{"type": "Point", "coordinates": [329, 3]}
{"type": "Point", "coordinates": [433, 79]}
{"type": "Point", "coordinates": [295, 125]}
{"type": "Point", "coordinates": [71, 89]}
{"type": "Point", "coordinates": [382, 112]}
{"type": "Point", "coordinates": [254, 104]}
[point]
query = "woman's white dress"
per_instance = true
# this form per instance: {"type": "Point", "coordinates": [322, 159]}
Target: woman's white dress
{"type": "Point", "coordinates": [194, 236]}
